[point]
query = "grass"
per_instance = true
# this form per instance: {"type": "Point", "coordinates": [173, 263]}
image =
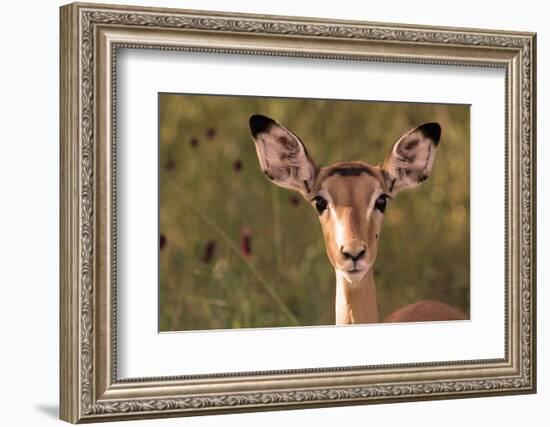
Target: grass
{"type": "Point", "coordinates": [237, 251]}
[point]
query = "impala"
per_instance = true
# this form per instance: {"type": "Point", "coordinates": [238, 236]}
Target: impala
{"type": "Point", "coordinates": [350, 198]}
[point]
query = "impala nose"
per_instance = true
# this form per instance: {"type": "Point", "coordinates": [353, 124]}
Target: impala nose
{"type": "Point", "coordinates": [353, 252]}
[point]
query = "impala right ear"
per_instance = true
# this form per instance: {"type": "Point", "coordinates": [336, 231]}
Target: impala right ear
{"type": "Point", "coordinates": [411, 158]}
{"type": "Point", "coordinates": [282, 156]}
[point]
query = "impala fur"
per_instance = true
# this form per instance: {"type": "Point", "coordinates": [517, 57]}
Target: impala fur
{"type": "Point", "coordinates": [351, 198]}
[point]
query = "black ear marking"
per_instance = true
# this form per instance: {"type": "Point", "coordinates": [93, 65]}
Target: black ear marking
{"type": "Point", "coordinates": [392, 184]}
{"type": "Point", "coordinates": [411, 144]}
{"type": "Point", "coordinates": [431, 130]}
{"type": "Point", "coordinates": [259, 124]}
{"type": "Point", "coordinates": [351, 171]}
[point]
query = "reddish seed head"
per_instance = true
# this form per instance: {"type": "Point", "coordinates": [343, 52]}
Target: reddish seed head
{"type": "Point", "coordinates": [246, 242]}
{"type": "Point", "coordinates": [194, 142]}
{"type": "Point", "coordinates": [210, 133]}
{"type": "Point", "coordinates": [162, 242]}
{"type": "Point", "coordinates": [294, 200]}
{"type": "Point", "coordinates": [170, 165]}
{"type": "Point", "coordinates": [209, 250]}
{"type": "Point", "coordinates": [237, 165]}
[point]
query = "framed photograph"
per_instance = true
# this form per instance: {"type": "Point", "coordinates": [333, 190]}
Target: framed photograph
{"type": "Point", "coordinates": [265, 212]}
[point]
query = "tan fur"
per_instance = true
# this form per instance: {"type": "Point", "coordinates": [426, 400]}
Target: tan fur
{"type": "Point", "coordinates": [425, 311]}
{"type": "Point", "coordinates": [356, 303]}
{"type": "Point", "coordinates": [351, 200]}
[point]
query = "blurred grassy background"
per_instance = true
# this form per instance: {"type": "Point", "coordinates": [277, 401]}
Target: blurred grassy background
{"type": "Point", "coordinates": [236, 251]}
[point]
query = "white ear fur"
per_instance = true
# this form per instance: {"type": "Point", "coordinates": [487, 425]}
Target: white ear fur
{"type": "Point", "coordinates": [282, 156]}
{"type": "Point", "coordinates": [411, 158]}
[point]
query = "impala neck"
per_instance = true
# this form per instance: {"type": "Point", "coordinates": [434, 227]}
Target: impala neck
{"type": "Point", "coordinates": [356, 303]}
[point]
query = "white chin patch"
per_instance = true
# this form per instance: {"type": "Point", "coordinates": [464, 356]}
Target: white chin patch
{"type": "Point", "coordinates": [353, 277]}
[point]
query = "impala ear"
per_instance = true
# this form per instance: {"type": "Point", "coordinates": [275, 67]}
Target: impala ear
{"type": "Point", "coordinates": [283, 157]}
{"type": "Point", "coordinates": [410, 160]}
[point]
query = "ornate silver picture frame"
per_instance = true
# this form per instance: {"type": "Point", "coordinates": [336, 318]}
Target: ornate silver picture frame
{"type": "Point", "coordinates": [91, 37]}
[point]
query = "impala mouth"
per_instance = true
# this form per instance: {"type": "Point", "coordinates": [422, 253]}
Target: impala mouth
{"type": "Point", "coordinates": [353, 275]}
{"type": "Point", "coordinates": [354, 272]}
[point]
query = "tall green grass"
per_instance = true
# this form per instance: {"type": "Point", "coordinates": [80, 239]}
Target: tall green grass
{"type": "Point", "coordinates": [239, 252]}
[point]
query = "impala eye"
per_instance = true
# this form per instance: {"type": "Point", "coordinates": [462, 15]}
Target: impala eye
{"type": "Point", "coordinates": [320, 204]}
{"type": "Point", "coordinates": [381, 202]}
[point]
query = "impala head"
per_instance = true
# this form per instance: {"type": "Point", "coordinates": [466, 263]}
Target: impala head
{"type": "Point", "coordinates": [350, 197]}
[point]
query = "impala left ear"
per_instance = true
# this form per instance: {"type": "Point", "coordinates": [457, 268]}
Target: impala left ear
{"type": "Point", "coordinates": [410, 160]}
